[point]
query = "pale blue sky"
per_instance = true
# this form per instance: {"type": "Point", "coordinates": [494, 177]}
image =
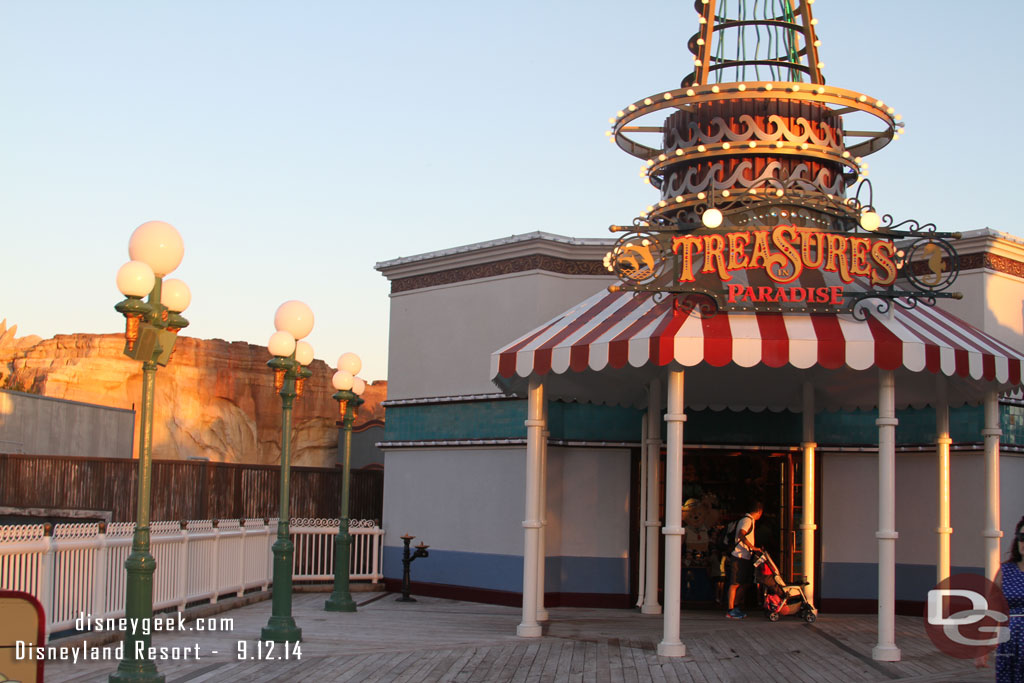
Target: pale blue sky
{"type": "Point", "coordinates": [296, 144]}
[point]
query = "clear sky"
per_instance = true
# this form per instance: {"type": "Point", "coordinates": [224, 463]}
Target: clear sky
{"type": "Point", "coordinates": [296, 144]}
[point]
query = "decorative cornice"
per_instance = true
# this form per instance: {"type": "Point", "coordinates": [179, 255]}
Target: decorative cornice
{"type": "Point", "coordinates": [519, 264]}
{"type": "Point", "coordinates": [448, 443]}
{"type": "Point", "coordinates": [979, 261]}
{"type": "Point", "coordinates": [462, 398]}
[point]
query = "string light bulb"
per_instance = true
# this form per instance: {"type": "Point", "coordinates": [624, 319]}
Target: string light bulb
{"type": "Point", "coordinates": [712, 218]}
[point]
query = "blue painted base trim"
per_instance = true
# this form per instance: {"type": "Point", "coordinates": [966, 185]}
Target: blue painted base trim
{"type": "Point", "coordinates": [505, 572]}
{"type": "Point", "coordinates": [859, 580]}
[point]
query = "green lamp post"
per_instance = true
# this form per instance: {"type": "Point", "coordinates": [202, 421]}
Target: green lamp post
{"type": "Point", "coordinates": [293, 321]}
{"type": "Point", "coordinates": [350, 388]}
{"type": "Point", "coordinates": [151, 327]}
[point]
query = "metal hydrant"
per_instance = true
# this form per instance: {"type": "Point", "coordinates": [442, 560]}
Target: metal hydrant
{"type": "Point", "coordinates": [407, 558]}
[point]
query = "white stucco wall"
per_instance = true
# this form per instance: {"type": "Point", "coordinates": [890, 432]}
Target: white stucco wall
{"type": "Point", "coordinates": [849, 516]}
{"type": "Point", "coordinates": [461, 499]}
{"type": "Point", "coordinates": [472, 500]}
{"type": "Point", "coordinates": [587, 503]}
{"type": "Point", "coordinates": [441, 337]}
{"type": "Point", "coordinates": [1002, 316]}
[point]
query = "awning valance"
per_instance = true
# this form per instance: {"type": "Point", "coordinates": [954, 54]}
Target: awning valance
{"type": "Point", "coordinates": [622, 336]}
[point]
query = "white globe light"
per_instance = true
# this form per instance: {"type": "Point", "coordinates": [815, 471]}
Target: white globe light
{"type": "Point", "coordinates": [157, 244]}
{"type": "Point", "coordinates": [711, 218]}
{"type": "Point", "coordinates": [135, 278]}
{"type": "Point", "coordinates": [350, 362]}
{"type": "Point", "coordinates": [342, 380]}
{"type": "Point", "coordinates": [281, 344]}
{"type": "Point", "coordinates": [869, 220]}
{"type": "Point", "coordinates": [295, 318]}
{"type": "Point", "coordinates": [175, 295]}
{"type": "Point", "coordinates": [358, 386]}
{"type": "Point", "coordinates": [303, 352]}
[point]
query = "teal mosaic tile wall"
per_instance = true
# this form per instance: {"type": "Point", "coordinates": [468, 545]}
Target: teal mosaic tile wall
{"type": "Point", "coordinates": [1013, 425]}
{"type": "Point", "coordinates": [588, 422]}
{"type": "Point", "coordinates": [741, 428]}
{"type": "Point", "coordinates": [504, 420]}
{"type": "Point", "coordinates": [915, 427]}
{"type": "Point", "coordinates": [479, 420]}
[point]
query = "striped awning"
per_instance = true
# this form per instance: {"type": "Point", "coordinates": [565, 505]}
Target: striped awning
{"type": "Point", "coordinates": [604, 348]}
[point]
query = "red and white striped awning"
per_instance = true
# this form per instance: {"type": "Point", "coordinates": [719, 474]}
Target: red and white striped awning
{"type": "Point", "coordinates": [760, 359]}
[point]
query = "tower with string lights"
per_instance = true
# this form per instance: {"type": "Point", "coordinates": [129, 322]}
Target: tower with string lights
{"type": "Point", "coordinates": [754, 138]}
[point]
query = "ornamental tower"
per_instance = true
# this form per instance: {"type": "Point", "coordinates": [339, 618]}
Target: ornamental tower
{"type": "Point", "coordinates": [755, 138]}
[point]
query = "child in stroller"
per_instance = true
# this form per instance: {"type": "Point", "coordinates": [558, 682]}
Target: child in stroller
{"type": "Point", "coordinates": [781, 598]}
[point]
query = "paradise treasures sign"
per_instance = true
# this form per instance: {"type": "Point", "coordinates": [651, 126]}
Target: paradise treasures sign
{"type": "Point", "coordinates": [785, 267]}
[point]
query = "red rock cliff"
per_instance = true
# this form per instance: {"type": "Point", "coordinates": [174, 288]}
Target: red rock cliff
{"type": "Point", "coordinates": [214, 399]}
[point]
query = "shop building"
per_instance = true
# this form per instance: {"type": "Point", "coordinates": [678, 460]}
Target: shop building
{"type": "Point", "coordinates": [851, 372]}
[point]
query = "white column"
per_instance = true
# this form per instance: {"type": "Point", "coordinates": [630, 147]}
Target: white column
{"type": "Point", "coordinates": [807, 524]}
{"type": "Point", "coordinates": [670, 645]}
{"type": "Point", "coordinates": [886, 650]}
{"type": "Point", "coordinates": [652, 525]}
{"type": "Point", "coordinates": [529, 628]}
{"type": "Point", "coordinates": [642, 502]}
{"type": "Point", "coordinates": [992, 532]}
{"type": "Point", "coordinates": [542, 515]}
{"type": "Point", "coordinates": [942, 444]}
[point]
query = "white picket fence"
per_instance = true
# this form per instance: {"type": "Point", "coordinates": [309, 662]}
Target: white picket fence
{"type": "Point", "coordinates": [77, 569]}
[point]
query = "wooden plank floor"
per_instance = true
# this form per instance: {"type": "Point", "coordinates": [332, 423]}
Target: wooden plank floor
{"type": "Point", "coordinates": [461, 642]}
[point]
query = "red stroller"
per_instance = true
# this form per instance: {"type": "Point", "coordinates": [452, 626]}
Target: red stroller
{"type": "Point", "coordinates": [781, 598]}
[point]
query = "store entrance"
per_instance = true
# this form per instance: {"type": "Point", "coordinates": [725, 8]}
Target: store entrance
{"type": "Point", "coordinates": [719, 486]}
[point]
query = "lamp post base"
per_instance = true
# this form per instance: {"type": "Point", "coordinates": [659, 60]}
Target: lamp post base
{"type": "Point", "coordinates": [135, 664]}
{"type": "Point", "coordinates": [281, 629]}
{"type": "Point", "coordinates": [136, 671]}
{"type": "Point", "coordinates": [340, 602]}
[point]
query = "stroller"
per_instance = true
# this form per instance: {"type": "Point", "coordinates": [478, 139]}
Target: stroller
{"type": "Point", "coordinates": [781, 598]}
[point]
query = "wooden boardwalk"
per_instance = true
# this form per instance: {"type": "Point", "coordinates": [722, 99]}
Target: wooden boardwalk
{"type": "Point", "coordinates": [444, 640]}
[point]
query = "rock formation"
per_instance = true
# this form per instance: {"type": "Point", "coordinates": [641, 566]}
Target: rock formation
{"type": "Point", "coordinates": [214, 400]}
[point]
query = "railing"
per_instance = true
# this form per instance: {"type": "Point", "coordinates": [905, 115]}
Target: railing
{"type": "Point", "coordinates": [76, 569]}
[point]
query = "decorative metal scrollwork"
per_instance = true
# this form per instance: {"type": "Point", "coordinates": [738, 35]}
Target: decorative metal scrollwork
{"type": "Point", "coordinates": [637, 257]}
{"type": "Point", "coordinates": [931, 264]}
{"type": "Point", "coordinates": [704, 305]}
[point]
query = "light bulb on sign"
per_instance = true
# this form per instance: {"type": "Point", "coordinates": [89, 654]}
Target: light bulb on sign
{"type": "Point", "coordinates": [870, 221]}
{"type": "Point", "coordinates": [712, 218]}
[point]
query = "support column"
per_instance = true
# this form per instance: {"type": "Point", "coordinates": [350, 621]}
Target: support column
{"type": "Point", "coordinates": [886, 650]}
{"type": "Point", "coordinates": [652, 525]}
{"type": "Point", "coordinates": [542, 515]}
{"type": "Point", "coordinates": [529, 628]}
{"type": "Point", "coordinates": [942, 444]}
{"type": "Point", "coordinates": [807, 522]}
{"type": "Point", "coordinates": [992, 532]}
{"type": "Point", "coordinates": [641, 572]}
{"type": "Point", "coordinates": [670, 645]}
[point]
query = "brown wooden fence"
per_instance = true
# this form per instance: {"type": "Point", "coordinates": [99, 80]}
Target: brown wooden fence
{"type": "Point", "coordinates": [181, 489]}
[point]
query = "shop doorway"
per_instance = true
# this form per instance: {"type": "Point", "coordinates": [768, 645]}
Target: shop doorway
{"type": "Point", "coordinates": [719, 486]}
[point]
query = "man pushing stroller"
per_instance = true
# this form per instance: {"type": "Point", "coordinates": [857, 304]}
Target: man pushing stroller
{"type": "Point", "coordinates": [741, 565]}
